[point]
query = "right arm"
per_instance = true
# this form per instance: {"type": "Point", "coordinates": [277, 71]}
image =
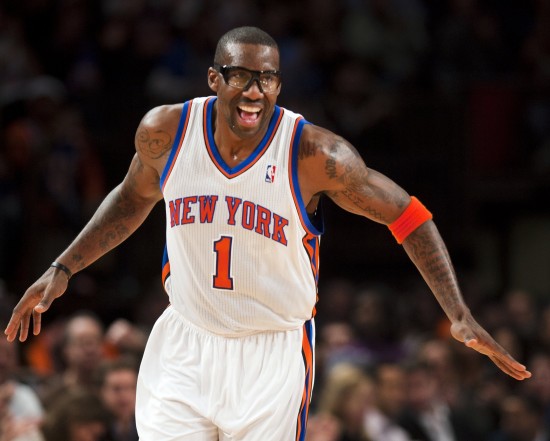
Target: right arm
{"type": "Point", "coordinates": [118, 216]}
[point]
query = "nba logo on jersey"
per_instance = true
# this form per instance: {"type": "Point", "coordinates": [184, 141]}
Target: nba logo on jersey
{"type": "Point", "coordinates": [270, 173]}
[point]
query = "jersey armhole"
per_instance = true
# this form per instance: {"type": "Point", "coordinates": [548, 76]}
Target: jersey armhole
{"type": "Point", "coordinates": [178, 142]}
{"type": "Point", "coordinates": [312, 223]}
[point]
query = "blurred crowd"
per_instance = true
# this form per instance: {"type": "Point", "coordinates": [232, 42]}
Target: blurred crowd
{"type": "Point", "coordinates": [387, 369]}
{"type": "Point", "coordinates": [449, 90]}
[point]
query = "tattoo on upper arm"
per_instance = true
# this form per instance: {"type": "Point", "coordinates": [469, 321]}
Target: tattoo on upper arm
{"type": "Point", "coordinates": [153, 144]}
{"type": "Point", "coordinates": [362, 188]}
{"type": "Point", "coordinates": [330, 168]}
{"type": "Point", "coordinates": [307, 149]}
{"type": "Point", "coordinates": [354, 180]}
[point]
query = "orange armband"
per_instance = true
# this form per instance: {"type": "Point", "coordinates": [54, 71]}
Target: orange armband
{"type": "Point", "coordinates": [413, 216]}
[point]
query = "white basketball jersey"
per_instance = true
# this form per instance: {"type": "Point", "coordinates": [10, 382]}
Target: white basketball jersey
{"type": "Point", "coordinates": [241, 253]}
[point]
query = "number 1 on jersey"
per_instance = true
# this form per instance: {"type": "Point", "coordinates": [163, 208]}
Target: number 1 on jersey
{"type": "Point", "coordinates": [222, 278]}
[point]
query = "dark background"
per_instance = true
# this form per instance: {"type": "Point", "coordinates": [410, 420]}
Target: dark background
{"type": "Point", "coordinates": [449, 98]}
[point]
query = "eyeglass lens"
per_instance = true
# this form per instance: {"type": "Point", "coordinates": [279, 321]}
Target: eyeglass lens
{"type": "Point", "coordinates": [242, 78]}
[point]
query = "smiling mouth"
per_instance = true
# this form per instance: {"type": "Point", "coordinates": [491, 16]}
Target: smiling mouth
{"type": "Point", "coordinates": [249, 114]}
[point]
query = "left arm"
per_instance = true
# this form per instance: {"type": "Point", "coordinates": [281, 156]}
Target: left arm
{"type": "Point", "coordinates": [428, 252]}
{"type": "Point", "coordinates": [330, 165]}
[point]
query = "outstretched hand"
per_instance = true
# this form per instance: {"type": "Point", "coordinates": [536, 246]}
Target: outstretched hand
{"type": "Point", "coordinates": [36, 300]}
{"type": "Point", "coordinates": [474, 336]}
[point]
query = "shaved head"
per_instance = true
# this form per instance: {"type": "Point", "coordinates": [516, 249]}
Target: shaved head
{"type": "Point", "coordinates": [242, 35]}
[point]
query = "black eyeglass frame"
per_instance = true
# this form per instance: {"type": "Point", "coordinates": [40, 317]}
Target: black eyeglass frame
{"type": "Point", "coordinates": [255, 76]}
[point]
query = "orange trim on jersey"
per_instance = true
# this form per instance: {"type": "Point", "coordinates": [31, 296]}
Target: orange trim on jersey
{"type": "Point", "coordinates": [308, 356]}
{"type": "Point", "coordinates": [313, 253]}
{"type": "Point", "coordinates": [258, 155]}
{"type": "Point", "coordinates": [175, 156]}
{"type": "Point", "coordinates": [165, 272]}
{"type": "Point", "coordinates": [311, 241]}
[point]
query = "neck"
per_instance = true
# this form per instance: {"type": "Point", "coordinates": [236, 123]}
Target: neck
{"type": "Point", "coordinates": [233, 148]}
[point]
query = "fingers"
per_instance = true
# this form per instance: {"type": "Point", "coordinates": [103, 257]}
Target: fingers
{"type": "Point", "coordinates": [34, 302]}
{"type": "Point", "coordinates": [519, 374]}
{"type": "Point", "coordinates": [24, 331]}
{"type": "Point", "coordinates": [21, 322]}
{"type": "Point", "coordinates": [36, 322]}
{"type": "Point", "coordinates": [12, 328]}
{"type": "Point", "coordinates": [504, 361]}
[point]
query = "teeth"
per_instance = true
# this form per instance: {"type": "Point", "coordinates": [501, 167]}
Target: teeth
{"type": "Point", "coordinates": [249, 109]}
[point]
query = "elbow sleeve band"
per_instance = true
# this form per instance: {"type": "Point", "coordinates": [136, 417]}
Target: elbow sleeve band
{"type": "Point", "coordinates": [413, 216]}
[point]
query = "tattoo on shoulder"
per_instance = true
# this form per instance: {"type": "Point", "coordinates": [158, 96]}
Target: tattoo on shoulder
{"type": "Point", "coordinates": [307, 149]}
{"type": "Point", "coordinates": [344, 165]}
{"type": "Point", "coordinates": [330, 164]}
{"type": "Point", "coordinates": [330, 168]}
{"type": "Point", "coordinates": [153, 144]}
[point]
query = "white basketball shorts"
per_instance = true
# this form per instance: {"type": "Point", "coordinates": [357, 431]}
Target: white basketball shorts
{"type": "Point", "coordinates": [198, 386]}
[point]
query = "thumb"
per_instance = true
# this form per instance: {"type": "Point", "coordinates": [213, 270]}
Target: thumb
{"type": "Point", "coordinates": [463, 334]}
{"type": "Point", "coordinates": [47, 299]}
{"type": "Point", "coordinates": [470, 342]}
{"type": "Point", "coordinates": [43, 306]}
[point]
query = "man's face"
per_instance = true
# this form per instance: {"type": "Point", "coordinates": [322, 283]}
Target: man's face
{"type": "Point", "coordinates": [391, 389]}
{"type": "Point", "coordinates": [84, 346]}
{"type": "Point", "coordinates": [119, 392]}
{"type": "Point", "coordinates": [246, 112]}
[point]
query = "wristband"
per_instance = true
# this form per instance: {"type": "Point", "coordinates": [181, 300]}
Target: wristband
{"type": "Point", "coordinates": [413, 216]}
{"type": "Point", "coordinates": [63, 268]}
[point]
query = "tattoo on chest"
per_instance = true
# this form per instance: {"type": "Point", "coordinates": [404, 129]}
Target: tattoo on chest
{"type": "Point", "coordinates": [153, 144]}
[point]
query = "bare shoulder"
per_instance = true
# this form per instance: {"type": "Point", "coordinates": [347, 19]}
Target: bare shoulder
{"type": "Point", "coordinates": [325, 158]}
{"type": "Point", "coordinates": [157, 131]}
{"type": "Point", "coordinates": [318, 141]}
{"type": "Point", "coordinates": [328, 164]}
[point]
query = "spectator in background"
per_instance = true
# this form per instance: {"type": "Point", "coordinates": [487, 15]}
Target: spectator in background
{"type": "Point", "coordinates": [78, 415]}
{"type": "Point", "coordinates": [427, 417]}
{"type": "Point", "coordinates": [126, 338]}
{"type": "Point", "coordinates": [323, 427]}
{"type": "Point", "coordinates": [522, 315]}
{"type": "Point", "coordinates": [82, 353]}
{"type": "Point", "coordinates": [438, 354]}
{"type": "Point", "coordinates": [52, 170]}
{"type": "Point", "coordinates": [338, 344]}
{"type": "Point", "coordinates": [376, 324]}
{"type": "Point", "coordinates": [20, 409]}
{"type": "Point", "coordinates": [520, 420]}
{"type": "Point", "coordinates": [117, 387]}
{"type": "Point", "coordinates": [390, 395]}
{"type": "Point", "coordinates": [347, 396]}
{"type": "Point", "coordinates": [539, 388]}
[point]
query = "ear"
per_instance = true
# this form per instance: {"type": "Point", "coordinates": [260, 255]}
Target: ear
{"type": "Point", "coordinates": [213, 79]}
{"type": "Point", "coordinates": [279, 89]}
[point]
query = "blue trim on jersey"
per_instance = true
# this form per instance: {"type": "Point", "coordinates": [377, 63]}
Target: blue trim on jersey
{"type": "Point", "coordinates": [253, 156]}
{"type": "Point", "coordinates": [176, 143]}
{"type": "Point", "coordinates": [317, 225]}
{"type": "Point", "coordinates": [310, 372]}
{"type": "Point", "coordinates": [165, 258]}
{"type": "Point", "coordinates": [165, 261]}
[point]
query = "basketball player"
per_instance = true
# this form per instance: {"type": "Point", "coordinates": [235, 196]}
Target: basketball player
{"type": "Point", "coordinates": [241, 178]}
